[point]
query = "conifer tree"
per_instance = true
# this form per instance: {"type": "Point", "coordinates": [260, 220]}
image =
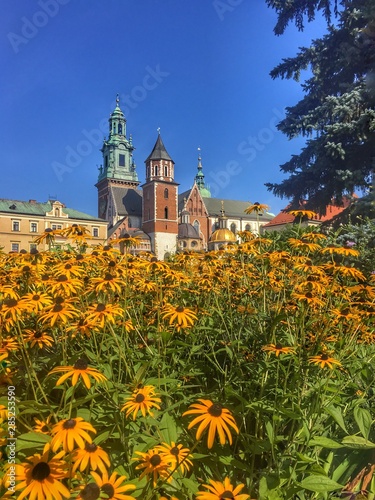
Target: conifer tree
{"type": "Point", "coordinates": [337, 113]}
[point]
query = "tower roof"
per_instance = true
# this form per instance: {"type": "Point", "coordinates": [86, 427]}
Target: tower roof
{"type": "Point", "coordinates": [159, 152]}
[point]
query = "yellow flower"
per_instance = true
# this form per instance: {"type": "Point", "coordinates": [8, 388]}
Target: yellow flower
{"type": "Point", "coordinates": [43, 426]}
{"type": "Point", "coordinates": [91, 455]}
{"type": "Point", "coordinates": [113, 486]}
{"type": "Point", "coordinates": [40, 478]}
{"type": "Point", "coordinates": [323, 360]}
{"type": "Point", "coordinates": [278, 349]}
{"type": "Point", "coordinates": [80, 369]}
{"type": "Point", "coordinates": [61, 312]}
{"type": "Point", "coordinates": [215, 417]}
{"type": "Point", "coordinates": [154, 465]}
{"type": "Point", "coordinates": [176, 456]}
{"type": "Point", "coordinates": [37, 337]}
{"type": "Point", "coordinates": [143, 399]}
{"type": "Point", "coordinates": [182, 316]}
{"type": "Point", "coordinates": [256, 207]}
{"type": "Point", "coordinates": [309, 214]}
{"type": "Point", "coordinates": [108, 282]}
{"type": "Point", "coordinates": [99, 314]}
{"type": "Point", "coordinates": [71, 432]}
{"type": "Point", "coordinates": [219, 491]}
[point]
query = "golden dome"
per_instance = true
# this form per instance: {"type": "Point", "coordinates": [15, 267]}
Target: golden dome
{"type": "Point", "coordinates": [223, 235]}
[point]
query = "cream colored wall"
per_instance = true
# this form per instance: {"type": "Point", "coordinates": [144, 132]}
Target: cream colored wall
{"type": "Point", "coordinates": [25, 237]}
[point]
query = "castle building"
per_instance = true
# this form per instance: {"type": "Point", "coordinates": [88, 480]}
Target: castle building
{"type": "Point", "coordinates": [162, 220]}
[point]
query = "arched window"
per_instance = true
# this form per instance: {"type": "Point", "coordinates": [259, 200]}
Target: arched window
{"type": "Point", "coordinates": [119, 128]}
{"type": "Point", "coordinates": [233, 228]}
{"type": "Point", "coordinates": [166, 194]}
{"type": "Point", "coordinates": [165, 170]}
{"type": "Point", "coordinates": [57, 212]}
{"type": "Point", "coordinates": [196, 226]}
{"type": "Point", "coordinates": [166, 213]}
{"type": "Point", "coordinates": [247, 227]}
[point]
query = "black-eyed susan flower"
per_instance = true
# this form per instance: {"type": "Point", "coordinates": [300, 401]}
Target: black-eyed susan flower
{"type": "Point", "coordinates": [41, 478]}
{"type": "Point", "coordinates": [324, 360]}
{"type": "Point", "coordinates": [303, 244]}
{"type": "Point", "coordinates": [113, 486]}
{"type": "Point", "coordinates": [71, 433]}
{"type": "Point", "coordinates": [154, 465]}
{"type": "Point", "coordinates": [278, 349]}
{"type": "Point", "coordinates": [38, 337]}
{"type": "Point", "coordinates": [182, 317]}
{"type": "Point", "coordinates": [300, 213]}
{"type": "Point", "coordinates": [90, 491]}
{"type": "Point", "coordinates": [257, 208]}
{"type": "Point", "coordinates": [215, 417]}
{"type": "Point", "coordinates": [36, 301]}
{"type": "Point", "coordinates": [60, 312]}
{"type": "Point", "coordinates": [91, 455]}
{"type": "Point", "coordinates": [107, 282]}
{"type": "Point", "coordinates": [80, 369]}
{"type": "Point", "coordinates": [66, 284]}
{"type": "Point", "coordinates": [220, 490]}
{"type": "Point", "coordinates": [43, 426]}
{"type": "Point", "coordinates": [335, 249]}
{"type": "Point", "coordinates": [176, 456]}
{"type": "Point", "coordinates": [142, 399]}
{"type": "Point", "coordinates": [100, 314]}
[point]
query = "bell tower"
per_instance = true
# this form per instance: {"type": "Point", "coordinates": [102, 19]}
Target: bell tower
{"type": "Point", "coordinates": [160, 199]}
{"type": "Point", "coordinates": [118, 168]}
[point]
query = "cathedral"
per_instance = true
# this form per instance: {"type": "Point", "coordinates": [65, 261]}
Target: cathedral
{"type": "Point", "coordinates": [163, 220]}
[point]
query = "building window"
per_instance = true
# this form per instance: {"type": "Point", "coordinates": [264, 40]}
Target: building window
{"type": "Point", "coordinates": [166, 213]}
{"type": "Point", "coordinates": [33, 227]}
{"type": "Point", "coordinates": [57, 212]}
{"type": "Point", "coordinates": [166, 193]}
{"type": "Point", "coordinates": [194, 244]}
{"type": "Point", "coordinates": [121, 160]}
{"type": "Point", "coordinates": [233, 228]}
{"type": "Point", "coordinates": [106, 162]}
{"type": "Point", "coordinates": [119, 128]}
{"type": "Point", "coordinates": [165, 171]}
{"type": "Point", "coordinates": [15, 225]}
{"type": "Point", "coordinates": [196, 226]}
{"type": "Point", "coordinates": [95, 232]}
{"type": "Point", "coordinates": [247, 227]}
{"type": "Point", "coordinates": [15, 247]}
{"type": "Point", "coordinates": [33, 246]}
{"type": "Point", "coordinates": [54, 227]}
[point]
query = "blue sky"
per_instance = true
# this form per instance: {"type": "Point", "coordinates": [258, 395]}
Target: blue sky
{"type": "Point", "coordinates": [198, 69]}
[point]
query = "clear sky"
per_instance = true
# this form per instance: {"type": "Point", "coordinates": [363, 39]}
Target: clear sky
{"type": "Point", "coordinates": [198, 69]}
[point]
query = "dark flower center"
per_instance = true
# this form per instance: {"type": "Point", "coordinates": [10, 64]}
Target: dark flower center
{"type": "Point", "coordinates": [100, 308]}
{"type": "Point", "coordinates": [45, 277]}
{"type": "Point", "coordinates": [174, 451]}
{"type": "Point", "coordinates": [26, 269]}
{"type": "Point", "coordinates": [345, 312]}
{"type": "Point", "coordinates": [215, 410]}
{"type": "Point", "coordinates": [41, 471]}
{"type": "Point", "coordinates": [308, 295]}
{"type": "Point", "coordinates": [108, 277]}
{"type": "Point", "coordinates": [226, 494]}
{"type": "Point", "coordinates": [38, 335]}
{"type": "Point", "coordinates": [45, 428]}
{"type": "Point", "coordinates": [95, 253]}
{"type": "Point", "coordinates": [67, 266]}
{"type": "Point", "coordinates": [79, 257]}
{"type": "Point", "coordinates": [108, 489]}
{"type": "Point", "coordinates": [36, 297]}
{"type": "Point", "coordinates": [324, 357]}
{"type": "Point", "coordinates": [48, 230]}
{"type": "Point", "coordinates": [57, 308]}
{"type": "Point", "coordinates": [80, 364]}
{"type": "Point", "coordinates": [154, 259]}
{"type": "Point", "coordinates": [59, 300]}
{"type": "Point", "coordinates": [90, 492]}
{"type": "Point", "coordinates": [278, 347]}
{"type": "Point", "coordinates": [139, 398]}
{"type": "Point", "coordinates": [10, 302]}
{"type": "Point", "coordinates": [180, 309]}
{"type": "Point", "coordinates": [111, 263]}
{"type": "Point", "coordinates": [62, 278]}
{"type": "Point", "coordinates": [155, 460]}
{"type": "Point", "coordinates": [91, 447]}
{"type": "Point", "coordinates": [106, 248]}
{"type": "Point", "coordinates": [69, 424]}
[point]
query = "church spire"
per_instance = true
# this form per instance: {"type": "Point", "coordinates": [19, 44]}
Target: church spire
{"type": "Point", "coordinates": [199, 178]}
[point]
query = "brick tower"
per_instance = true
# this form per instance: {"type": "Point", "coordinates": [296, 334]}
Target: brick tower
{"type": "Point", "coordinates": [160, 199]}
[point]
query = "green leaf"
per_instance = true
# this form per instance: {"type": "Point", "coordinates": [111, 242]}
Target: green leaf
{"type": "Point", "coordinates": [357, 442]}
{"type": "Point", "coordinates": [364, 420]}
{"type": "Point", "coordinates": [336, 414]}
{"type": "Point", "coordinates": [320, 484]}
{"type": "Point", "coordinates": [325, 442]}
{"type": "Point", "coordinates": [32, 440]}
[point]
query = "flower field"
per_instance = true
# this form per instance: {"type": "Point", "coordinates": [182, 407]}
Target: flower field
{"type": "Point", "coordinates": [245, 373]}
